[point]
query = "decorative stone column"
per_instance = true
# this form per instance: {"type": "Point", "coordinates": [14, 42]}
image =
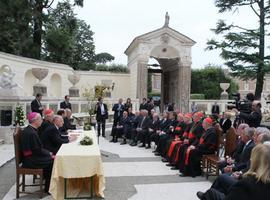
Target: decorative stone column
{"type": "Point", "coordinates": [184, 87]}
{"type": "Point", "coordinates": [40, 74]}
{"type": "Point", "coordinates": [74, 79]}
{"type": "Point", "coordinates": [142, 80]}
{"type": "Point", "coordinates": [224, 87]}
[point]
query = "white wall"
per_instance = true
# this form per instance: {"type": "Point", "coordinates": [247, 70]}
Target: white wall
{"type": "Point", "coordinates": [57, 79]}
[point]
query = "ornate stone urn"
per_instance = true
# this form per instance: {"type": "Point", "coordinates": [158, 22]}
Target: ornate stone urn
{"type": "Point", "coordinates": [40, 74]}
{"type": "Point", "coordinates": [74, 79]}
{"type": "Point", "coordinates": [224, 87]}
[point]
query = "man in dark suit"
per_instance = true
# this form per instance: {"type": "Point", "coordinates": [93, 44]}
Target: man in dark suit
{"type": "Point", "coordinates": [65, 104]}
{"type": "Point", "coordinates": [101, 111]}
{"type": "Point", "coordinates": [118, 109]}
{"type": "Point", "coordinates": [36, 105]}
{"type": "Point", "coordinates": [143, 105]}
{"type": "Point", "coordinates": [51, 137]}
{"type": "Point", "coordinates": [215, 109]}
{"type": "Point", "coordinates": [225, 122]}
{"type": "Point", "coordinates": [254, 118]}
{"type": "Point", "coordinates": [142, 129]}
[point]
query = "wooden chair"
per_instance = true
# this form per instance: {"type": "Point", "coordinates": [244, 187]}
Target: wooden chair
{"type": "Point", "coordinates": [230, 142]}
{"type": "Point", "coordinates": [22, 172]}
{"type": "Point", "coordinates": [210, 162]}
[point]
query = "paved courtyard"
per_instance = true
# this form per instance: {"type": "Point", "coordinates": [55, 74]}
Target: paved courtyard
{"type": "Point", "coordinates": [131, 173]}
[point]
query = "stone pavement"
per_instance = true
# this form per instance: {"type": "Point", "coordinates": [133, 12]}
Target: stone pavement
{"type": "Point", "coordinates": [134, 173]}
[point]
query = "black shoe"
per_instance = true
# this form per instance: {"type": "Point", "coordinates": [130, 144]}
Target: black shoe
{"type": "Point", "coordinates": [170, 165]}
{"type": "Point", "coordinates": [200, 195]}
{"type": "Point", "coordinates": [174, 168]}
{"type": "Point", "coordinates": [104, 136]}
{"type": "Point", "coordinates": [182, 175]}
{"type": "Point", "coordinates": [142, 145]}
{"type": "Point", "coordinates": [154, 151]}
{"type": "Point", "coordinates": [157, 154]}
{"type": "Point", "coordinates": [148, 147]}
{"type": "Point", "coordinates": [164, 160]}
{"type": "Point", "coordinates": [133, 144]}
{"type": "Point", "coordinates": [122, 143]}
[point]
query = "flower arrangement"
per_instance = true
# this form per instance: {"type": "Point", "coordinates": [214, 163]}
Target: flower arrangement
{"type": "Point", "coordinates": [19, 116]}
{"type": "Point", "coordinates": [86, 141]}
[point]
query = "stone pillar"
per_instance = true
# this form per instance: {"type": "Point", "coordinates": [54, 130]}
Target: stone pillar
{"type": "Point", "coordinates": [142, 80]}
{"type": "Point", "coordinates": [184, 87]}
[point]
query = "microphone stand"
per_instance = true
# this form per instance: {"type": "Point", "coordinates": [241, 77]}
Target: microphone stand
{"type": "Point", "coordinates": [94, 125]}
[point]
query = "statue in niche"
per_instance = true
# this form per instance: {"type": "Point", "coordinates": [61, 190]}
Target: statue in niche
{"type": "Point", "coordinates": [167, 20]}
{"type": "Point", "coordinates": [6, 78]}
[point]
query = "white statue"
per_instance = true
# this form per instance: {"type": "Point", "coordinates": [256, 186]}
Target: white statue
{"type": "Point", "coordinates": [167, 20]}
{"type": "Point", "coordinates": [6, 78]}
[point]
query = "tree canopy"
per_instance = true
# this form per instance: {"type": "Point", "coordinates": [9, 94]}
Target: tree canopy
{"type": "Point", "coordinates": [35, 29]}
{"type": "Point", "coordinates": [206, 81]}
{"type": "Point", "coordinates": [243, 48]}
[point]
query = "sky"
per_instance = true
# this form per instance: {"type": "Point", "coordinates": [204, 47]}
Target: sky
{"type": "Point", "coordinates": [116, 23]}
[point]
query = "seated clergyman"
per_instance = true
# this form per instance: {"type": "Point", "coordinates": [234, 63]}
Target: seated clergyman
{"type": "Point", "coordinates": [34, 155]}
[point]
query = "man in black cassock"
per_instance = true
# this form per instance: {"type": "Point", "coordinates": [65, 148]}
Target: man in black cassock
{"type": "Point", "coordinates": [34, 155]}
{"type": "Point", "coordinates": [47, 121]}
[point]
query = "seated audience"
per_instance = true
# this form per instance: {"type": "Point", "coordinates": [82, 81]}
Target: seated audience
{"type": "Point", "coordinates": [255, 183]}
{"type": "Point", "coordinates": [224, 182]}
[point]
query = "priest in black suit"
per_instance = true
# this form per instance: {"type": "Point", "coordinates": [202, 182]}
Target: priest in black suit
{"type": "Point", "coordinates": [65, 104]}
{"type": "Point", "coordinates": [36, 104]}
{"type": "Point", "coordinates": [34, 155]}
{"type": "Point", "coordinates": [51, 137]}
{"type": "Point", "coordinates": [101, 111]}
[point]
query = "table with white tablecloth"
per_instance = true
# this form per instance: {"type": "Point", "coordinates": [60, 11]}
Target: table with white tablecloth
{"type": "Point", "coordinates": [77, 163]}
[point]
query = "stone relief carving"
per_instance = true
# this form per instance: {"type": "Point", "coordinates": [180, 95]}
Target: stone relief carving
{"type": "Point", "coordinates": [6, 78]}
{"type": "Point", "coordinates": [165, 38]}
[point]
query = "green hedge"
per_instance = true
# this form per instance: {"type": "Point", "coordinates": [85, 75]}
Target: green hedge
{"type": "Point", "coordinates": [197, 96]}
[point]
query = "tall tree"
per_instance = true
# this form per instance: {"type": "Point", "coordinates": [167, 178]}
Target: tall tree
{"type": "Point", "coordinates": [244, 48]}
{"type": "Point", "coordinates": [15, 32]}
{"type": "Point", "coordinates": [103, 58]}
{"type": "Point", "coordinates": [68, 40]}
{"type": "Point", "coordinates": [39, 16]}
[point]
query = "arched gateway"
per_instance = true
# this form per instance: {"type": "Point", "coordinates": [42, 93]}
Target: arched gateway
{"type": "Point", "coordinates": [172, 50]}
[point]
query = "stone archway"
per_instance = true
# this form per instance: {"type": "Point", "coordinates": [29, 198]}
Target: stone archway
{"type": "Point", "coordinates": [173, 52]}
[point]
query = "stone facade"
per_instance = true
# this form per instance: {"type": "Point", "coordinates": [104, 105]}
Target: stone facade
{"type": "Point", "coordinates": [172, 50]}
